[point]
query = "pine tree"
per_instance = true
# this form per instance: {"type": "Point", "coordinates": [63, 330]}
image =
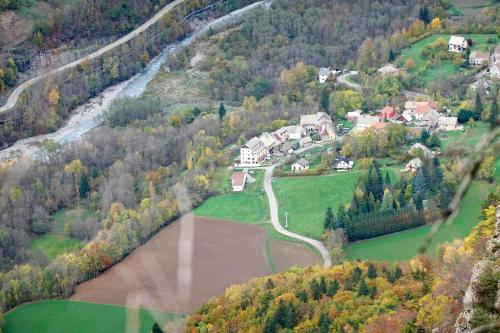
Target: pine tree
{"type": "Point", "coordinates": [388, 183]}
{"type": "Point", "coordinates": [333, 287]}
{"type": "Point", "coordinates": [269, 284]}
{"type": "Point", "coordinates": [84, 185]}
{"type": "Point", "coordinates": [372, 272]}
{"type": "Point", "coordinates": [322, 285]}
{"type": "Point", "coordinates": [222, 111]}
{"type": "Point", "coordinates": [329, 221]}
{"type": "Point", "coordinates": [478, 109]}
{"type": "Point", "coordinates": [315, 289]}
{"type": "Point", "coordinates": [356, 274]}
{"type": "Point", "coordinates": [494, 121]}
{"type": "Point", "coordinates": [324, 323]}
{"type": "Point", "coordinates": [341, 217]}
{"type": "Point", "coordinates": [157, 328]}
{"type": "Point", "coordinates": [434, 140]}
{"type": "Point", "coordinates": [324, 103]}
{"type": "Point", "coordinates": [363, 289]}
{"type": "Point", "coordinates": [424, 136]}
{"type": "Point", "coordinates": [423, 15]}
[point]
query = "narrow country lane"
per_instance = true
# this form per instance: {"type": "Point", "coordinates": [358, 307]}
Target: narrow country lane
{"type": "Point", "coordinates": [12, 100]}
{"type": "Point", "coordinates": [273, 207]}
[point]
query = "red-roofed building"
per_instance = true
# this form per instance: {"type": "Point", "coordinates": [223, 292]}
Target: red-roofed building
{"type": "Point", "coordinates": [387, 112]}
{"type": "Point", "coordinates": [238, 180]}
{"type": "Point", "coordinates": [380, 126]}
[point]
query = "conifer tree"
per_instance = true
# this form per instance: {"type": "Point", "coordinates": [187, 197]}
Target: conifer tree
{"type": "Point", "coordinates": [329, 221]}
{"type": "Point", "coordinates": [494, 121]}
{"type": "Point", "coordinates": [478, 107]}
{"type": "Point", "coordinates": [372, 272]}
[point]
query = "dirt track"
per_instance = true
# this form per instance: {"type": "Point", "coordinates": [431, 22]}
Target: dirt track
{"type": "Point", "coordinates": [224, 253]}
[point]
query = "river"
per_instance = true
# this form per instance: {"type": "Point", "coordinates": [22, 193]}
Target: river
{"type": "Point", "coordinates": [91, 114]}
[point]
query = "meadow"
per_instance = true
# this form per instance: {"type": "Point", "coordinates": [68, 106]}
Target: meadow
{"type": "Point", "coordinates": [447, 68]}
{"type": "Point", "coordinates": [56, 242]}
{"type": "Point", "coordinates": [60, 316]}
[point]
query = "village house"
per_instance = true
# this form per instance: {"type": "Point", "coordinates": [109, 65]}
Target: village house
{"type": "Point", "coordinates": [294, 132]}
{"type": "Point", "coordinates": [353, 115]}
{"type": "Point", "coordinates": [387, 113]}
{"type": "Point", "coordinates": [418, 109]}
{"type": "Point", "coordinates": [414, 165]}
{"type": "Point", "coordinates": [366, 121]}
{"type": "Point", "coordinates": [238, 180]}
{"type": "Point", "coordinates": [312, 122]}
{"type": "Point", "coordinates": [388, 69]}
{"type": "Point", "coordinates": [447, 123]}
{"type": "Point", "coordinates": [478, 58]}
{"type": "Point", "coordinates": [342, 164]}
{"type": "Point", "coordinates": [326, 74]}
{"type": "Point", "coordinates": [270, 140]}
{"type": "Point", "coordinates": [417, 147]}
{"type": "Point", "coordinates": [430, 119]}
{"type": "Point", "coordinates": [457, 44]}
{"type": "Point", "coordinates": [405, 118]}
{"type": "Point", "coordinates": [326, 131]}
{"type": "Point", "coordinates": [253, 152]}
{"type": "Point", "coordinates": [300, 165]}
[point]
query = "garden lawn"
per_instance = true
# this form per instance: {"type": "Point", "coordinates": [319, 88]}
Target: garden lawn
{"type": "Point", "coordinates": [60, 316]}
{"type": "Point", "coordinates": [53, 245]}
{"type": "Point", "coordinates": [468, 138]}
{"type": "Point", "coordinates": [405, 244]}
{"type": "Point", "coordinates": [447, 68]}
{"type": "Point", "coordinates": [249, 206]}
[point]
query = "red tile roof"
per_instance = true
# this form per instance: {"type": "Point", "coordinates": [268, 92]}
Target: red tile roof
{"type": "Point", "coordinates": [238, 179]}
{"type": "Point", "coordinates": [387, 112]}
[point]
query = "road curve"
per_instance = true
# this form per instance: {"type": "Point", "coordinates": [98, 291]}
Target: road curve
{"type": "Point", "coordinates": [273, 207]}
{"type": "Point", "coordinates": [12, 100]}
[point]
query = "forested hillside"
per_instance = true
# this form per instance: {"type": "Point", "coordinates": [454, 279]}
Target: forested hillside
{"type": "Point", "coordinates": [320, 33]}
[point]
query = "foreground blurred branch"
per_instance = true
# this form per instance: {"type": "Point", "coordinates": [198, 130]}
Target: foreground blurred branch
{"type": "Point", "coordinates": [469, 171]}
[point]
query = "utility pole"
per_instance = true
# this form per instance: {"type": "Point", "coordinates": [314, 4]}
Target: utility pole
{"type": "Point", "coordinates": [286, 219]}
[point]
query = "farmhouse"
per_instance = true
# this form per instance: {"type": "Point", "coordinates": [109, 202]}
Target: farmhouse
{"type": "Point", "coordinates": [366, 121]}
{"type": "Point", "coordinates": [270, 141]}
{"type": "Point", "coordinates": [387, 113]}
{"type": "Point", "coordinates": [292, 132]}
{"type": "Point", "coordinates": [325, 74]}
{"type": "Point", "coordinates": [478, 58]}
{"type": "Point", "coordinates": [238, 180]}
{"type": "Point", "coordinates": [457, 44]}
{"type": "Point", "coordinates": [404, 118]}
{"type": "Point", "coordinates": [447, 123]}
{"type": "Point", "coordinates": [388, 69]}
{"type": "Point", "coordinates": [253, 152]}
{"type": "Point", "coordinates": [414, 165]}
{"type": "Point", "coordinates": [312, 122]}
{"type": "Point", "coordinates": [300, 165]}
{"type": "Point", "coordinates": [326, 131]}
{"type": "Point", "coordinates": [342, 164]}
{"type": "Point", "coordinates": [430, 119]}
{"type": "Point", "coordinates": [353, 115]}
{"type": "Point", "coordinates": [415, 108]}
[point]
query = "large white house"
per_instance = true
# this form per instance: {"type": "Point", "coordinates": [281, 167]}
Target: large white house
{"type": "Point", "coordinates": [292, 132]}
{"type": "Point", "coordinates": [312, 122]}
{"type": "Point", "coordinates": [457, 44]}
{"type": "Point", "coordinates": [300, 165]}
{"type": "Point", "coordinates": [253, 152]}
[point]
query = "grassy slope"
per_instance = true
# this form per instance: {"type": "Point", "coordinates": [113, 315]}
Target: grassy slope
{"type": "Point", "coordinates": [307, 198]}
{"type": "Point", "coordinates": [56, 242]}
{"type": "Point", "coordinates": [249, 206]}
{"type": "Point", "coordinates": [405, 244]}
{"type": "Point", "coordinates": [78, 317]}
{"type": "Point", "coordinates": [447, 68]}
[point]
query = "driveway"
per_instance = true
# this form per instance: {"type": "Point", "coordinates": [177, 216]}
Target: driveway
{"type": "Point", "coordinates": [273, 207]}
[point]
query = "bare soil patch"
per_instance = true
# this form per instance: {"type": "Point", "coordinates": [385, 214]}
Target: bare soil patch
{"type": "Point", "coordinates": [223, 253]}
{"type": "Point", "coordinates": [287, 254]}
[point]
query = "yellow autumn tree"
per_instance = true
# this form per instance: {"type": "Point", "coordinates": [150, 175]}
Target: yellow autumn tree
{"type": "Point", "coordinates": [435, 24]}
{"type": "Point", "coordinates": [75, 168]}
{"type": "Point", "coordinates": [54, 96]}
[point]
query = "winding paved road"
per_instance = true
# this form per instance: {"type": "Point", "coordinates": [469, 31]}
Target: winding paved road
{"type": "Point", "coordinates": [12, 100]}
{"type": "Point", "coordinates": [273, 207]}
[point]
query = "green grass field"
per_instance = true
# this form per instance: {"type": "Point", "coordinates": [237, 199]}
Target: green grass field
{"type": "Point", "coordinates": [249, 206]}
{"type": "Point", "coordinates": [405, 244]}
{"type": "Point", "coordinates": [56, 242]}
{"type": "Point", "coordinates": [447, 68]}
{"type": "Point", "coordinates": [468, 138]}
{"type": "Point", "coordinates": [60, 316]}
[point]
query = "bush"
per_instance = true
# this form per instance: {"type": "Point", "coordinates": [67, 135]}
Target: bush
{"type": "Point", "coordinates": [124, 111]}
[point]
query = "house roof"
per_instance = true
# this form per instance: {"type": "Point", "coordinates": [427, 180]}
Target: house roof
{"type": "Point", "coordinates": [380, 125]}
{"type": "Point", "coordinates": [388, 111]}
{"type": "Point", "coordinates": [388, 69]}
{"type": "Point", "coordinates": [432, 116]}
{"type": "Point", "coordinates": [422, 109]}
{"type": "Point", "coordinates": [325, 71]}
{"type": "Point", "coordinates": [456, 40]}
{"type": "Point", "coordinates": [354, 114]}
{"type": "Point", "coordinates": [479, 55]}
{"type": "Point", "coordinates": [367, 120]}
{"type": "Point", "coordinates": [302, 162]}
{"type": "Point", "coordinates": [314, 119]}
{"type": "Point", "coordinates": [416, 162]}
{"type": "Point", "coordinates": [254, 144]}
{"type": "Point", "coordinates": [447, 120]}
{"type": "Point", "coordinates": [238, 178]}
